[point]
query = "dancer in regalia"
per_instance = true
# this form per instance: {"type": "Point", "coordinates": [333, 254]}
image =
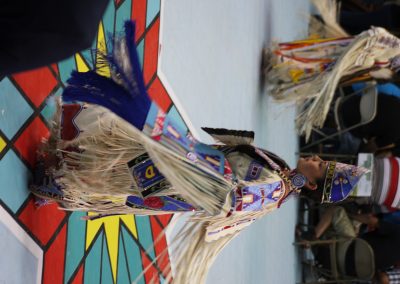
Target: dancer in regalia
{"type": "Point", "coordinates": [114, 151]}
{"type": "Point", "coordinates": [309, 71]}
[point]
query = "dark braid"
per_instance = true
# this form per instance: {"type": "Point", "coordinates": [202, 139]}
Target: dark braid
{"type": "Point", "coordinates": [315, 195]}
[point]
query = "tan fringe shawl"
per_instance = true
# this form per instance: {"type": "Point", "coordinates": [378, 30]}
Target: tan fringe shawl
{"type": "Point", "coordinates": [98, 179]}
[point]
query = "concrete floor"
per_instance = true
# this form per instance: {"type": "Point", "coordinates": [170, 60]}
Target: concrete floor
{"type": "Point", "coordinates": [210, 58]}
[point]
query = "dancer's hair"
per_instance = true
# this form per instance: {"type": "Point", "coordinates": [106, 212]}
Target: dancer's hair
{"type": "Point", "coordinates": [315, 195]}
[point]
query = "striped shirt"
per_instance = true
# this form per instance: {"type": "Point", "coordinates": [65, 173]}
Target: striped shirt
{"type": "Point", "coordinates": [386, 185]}
{"type": "Point", "coordinates": [393, 275]}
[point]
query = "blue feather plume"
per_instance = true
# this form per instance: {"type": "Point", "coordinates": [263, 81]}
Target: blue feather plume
{"type": "Point", "coordinates": [130, 101]}
{"type": "Point", "coordinates": [92, 88]}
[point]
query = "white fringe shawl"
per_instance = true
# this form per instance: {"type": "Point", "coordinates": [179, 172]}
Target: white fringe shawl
{"type": "Point", "coordinates": [314, 95]}
{"type": "Point", "coordinates": [317, 94]}
{"type": "Point", "coordinates": [192, 255]}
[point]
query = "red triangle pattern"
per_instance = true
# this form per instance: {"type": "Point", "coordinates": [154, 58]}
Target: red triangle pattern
{"type": "Point", "coordinates": [27, 144]}
{"type": "Point", "coordinates": [139, 15]}
{"type": "Point", "coordinates": [160, 247]}
{"type": "Point", "coordinates": [55, 68]}
{"type": "Point", "coordinates": [53, 270]}
{"type": "Point", "coordinates": [79, 276]}
{"type": "Point", "coordinates": [42, 221]}
{"type": "Point", "coordinates": [151, 274]}
{"type": "Point", "coordinates": [36, 84]}
{"type": "Point", "coordinates": [151, 51]}
{"type": "Point", "coordinates": [158, 93]}
{"type": "Point", "coordinates": [164, 219]}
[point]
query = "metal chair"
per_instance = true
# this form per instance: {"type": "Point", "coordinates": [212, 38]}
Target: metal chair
{"type": "Point", "coordinates": [363, 255]}
{"type": "Point", "coordinates": [368, 111]}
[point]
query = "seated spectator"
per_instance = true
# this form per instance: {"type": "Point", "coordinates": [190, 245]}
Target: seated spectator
{"type": "Point", "coordinates": [383, 237]}
{"type": "Point", "coordinates": [390, 276]}
{"type": "Point", "coordinates": [382, 132]}
{"type": "Point", "coordinates": [357, 16]}
{"type": "Point", "coordinates": [391, 217]}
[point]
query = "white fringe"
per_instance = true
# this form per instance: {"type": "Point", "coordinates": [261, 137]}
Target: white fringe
{"type": "Point", "coordinates": [197, 184]}
{"type": "Point", "coordinates": [192, 255]}
{"type": "Point", "coordinates": [315, 93]}
{"type": "Point", "coordinates": [328, 10]}
{"type": "Point", "coordinates": [317, 96]}
{"type": "Point", "coordinates": [101, 168]}
{"type": "Point", "coordinates": [98, 179]}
